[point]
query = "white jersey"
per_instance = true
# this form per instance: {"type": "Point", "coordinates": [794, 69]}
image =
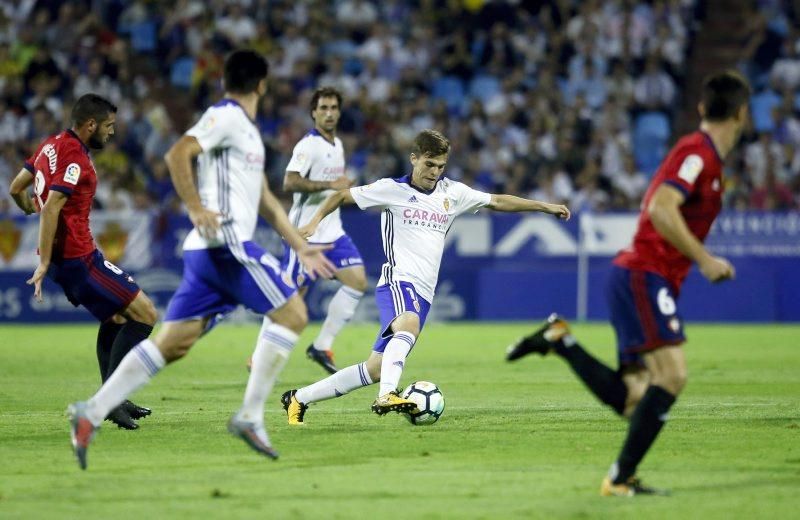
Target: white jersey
{"type": "Point", "coordinates": [317, 159]}
{"type": "Point", "coordinates": [230, 173]}
{"type": "Point", "coordinates": [414, 225]}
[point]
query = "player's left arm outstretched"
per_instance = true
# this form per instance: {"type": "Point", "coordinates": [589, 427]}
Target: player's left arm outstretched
{"type": "Point", "coordinates": [312, 257]}
{"type": "Point", "coordinates": [511, 203]}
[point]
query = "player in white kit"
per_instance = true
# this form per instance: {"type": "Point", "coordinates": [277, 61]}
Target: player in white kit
{"type": "Point", "coordinates": [418, 210]}
{"type": "Point", "coordinates": [315, 171]}
{"type": "Point", "coordinates": [223, 267]}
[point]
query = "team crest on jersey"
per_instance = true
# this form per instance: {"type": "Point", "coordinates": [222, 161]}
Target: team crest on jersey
{"type": "Point", "coordinates": [301, 158]}
{"type": "Point", "coordinates": [675, 325]}
{"type": "Point", "coordinates": [72, 173]}
{"type": "Point", "coordinates": [446, 204]}
{"type": "Point", "coordinates": [286, 276]}
{"type": "Point", "coordinates": [208, 123]}
{"type": "Point", "coordinates": [691, 168]}
{"type": "Point", "coordinates": [416, 305]}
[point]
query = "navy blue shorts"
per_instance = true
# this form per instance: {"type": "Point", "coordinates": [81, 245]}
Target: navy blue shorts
{"type": "Point", "coordinates": [643, 312]}
{"type": "Point", "coordinates": [94, 282]}
{"type": "Point", "coordinates": [394, 299]}
{"type": "Point", "coordinates": [343, 254]}
{"type": "Point", "coordinates": [217, 280]}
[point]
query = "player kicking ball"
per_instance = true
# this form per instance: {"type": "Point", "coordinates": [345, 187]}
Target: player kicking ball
{"type": "Point", "coordinates": [680, 206]}
{"type": "Point", "coordinates": [417, 212]}
{"type": "Point", "coordinates": [64, 182]}
{"type": "Point", "coordinates": [222, 266]}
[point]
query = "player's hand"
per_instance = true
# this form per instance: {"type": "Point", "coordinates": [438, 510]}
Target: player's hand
{"type": "Point", "coordinates": [315, 262]}
{"type": "Point", "coordinates": [559, 210]}
{"type": "Point", "coordinates": [307, 230]}
{"type": "Point", "coordinates": [717, 269]}
{"type": "Point", "coordinates": [36, 281]}
{"type": "Point", "coordinates": [341, 183]}
{"type": "Point", "coordinates": [206, 222]}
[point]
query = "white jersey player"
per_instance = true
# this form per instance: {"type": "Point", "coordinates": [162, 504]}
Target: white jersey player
{"type": "Point", "coordinates": [418, 210]}
{"type": "Point", "coordinates": [223, 267]}
{"type": "Point", "coordinates": [315, 171]}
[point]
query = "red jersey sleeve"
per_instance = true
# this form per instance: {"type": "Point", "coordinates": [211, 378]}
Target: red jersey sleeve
{"type": "Point", "coordinates": [73, 167]}
{"type": "Point", "coordinates": [32, 159]}
{"type": "Point", "coordinates": [684, 168]}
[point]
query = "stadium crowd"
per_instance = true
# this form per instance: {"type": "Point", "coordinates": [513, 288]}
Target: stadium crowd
{"type": "Point", "coordinates": [566, 101]}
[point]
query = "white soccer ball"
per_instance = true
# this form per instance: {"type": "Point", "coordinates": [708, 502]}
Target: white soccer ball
{"type": "Point", "coordinates": [429, 400]}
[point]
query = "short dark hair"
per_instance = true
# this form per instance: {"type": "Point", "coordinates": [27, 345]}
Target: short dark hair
{"type": "Point", "coordinates": [91, 106]}
{"type": "Point", "coordinates": [323, 92]}
{"type": "Point", "coordinates": [244, 69]}
{"type": "Point", "coordinates": [431, 143]}
{"type": "Point", "coordinates": [723, 95]}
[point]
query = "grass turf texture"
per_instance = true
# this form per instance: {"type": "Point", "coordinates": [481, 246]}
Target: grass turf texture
{"type": "Point", "coordinates": [516, 440]}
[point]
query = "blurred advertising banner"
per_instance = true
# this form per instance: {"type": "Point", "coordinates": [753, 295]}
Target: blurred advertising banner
{"type": "Point", "coordinates": [495, 266]}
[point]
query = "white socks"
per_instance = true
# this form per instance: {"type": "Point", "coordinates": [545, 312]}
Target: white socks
{"type": "Point", "coordinates": [394, 360]}
{"type": "Point", "coordinates": [136, 369]}
{"type": "Point", "coordinates": [340, 310]}
{"type": "Point", "coordinates": [335, 385]}
{"type": "Point", "coordinates": [275, 342]}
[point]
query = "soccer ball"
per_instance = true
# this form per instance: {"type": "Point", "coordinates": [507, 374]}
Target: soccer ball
{"type": "Point", "coordinates": [429, 400]}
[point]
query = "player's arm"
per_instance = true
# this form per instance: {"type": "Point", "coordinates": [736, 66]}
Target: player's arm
{"type": "Point", "coordinates": [331, 204]}
{"type": "Point", "coordinates": [312, 257]}
{"type": "Point", "coordinates": [665, 214]}
{"type": "Point", "coordinates": [179, 160]}
{"type": "Point", "coordinates": [513, 204]}
{"type": "Point", "coordinates": [19, 191]}
{"type": "Point", "coordinates": [294, 182]}
{"type": "Point", "coordinates": [48, 224]}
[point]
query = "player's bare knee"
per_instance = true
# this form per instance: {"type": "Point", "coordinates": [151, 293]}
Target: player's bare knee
{"type": "Point", "coordinates": [149, 313]}
{"type": "Point", "coordinates": [374, 371]}
{"type": "Point", "coordinates": [359, 284]}
{"type": "Point", "coordinates": [673, 381]}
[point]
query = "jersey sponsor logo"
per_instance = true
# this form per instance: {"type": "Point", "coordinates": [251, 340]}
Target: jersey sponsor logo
{"type": "Point", "coordinates": [52, 157]}
{"type": "Point", "coordinates": [427, 216]}
{"type": "Point", "coordinates": [72, 173]}
{"type": "Point", "coordinates": [691, 168]}
{"type": "Point", "coordinates": [715, 185]}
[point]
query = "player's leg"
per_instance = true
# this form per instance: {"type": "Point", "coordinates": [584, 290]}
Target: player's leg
{"type": "Point", "coordinates": [262, 287]}
{"type": "Point", "coordinates": [605, 383]}
{"type": "Point", "coordinates": [108, 292]}
{"type": "Point", "coordinates": [667, 369]}
{"type": "Point", "coordinates": [391, 309]}
{"type": "Point", "coordinates": [340, 310]}
{"type": "Point", "coordinates": [190, 313]}
{"type": "Point", "coordinates": [137, 368]}
{"type": "Point", "coordinates": [276, 339]}
{"type": "Point", "coordinates": [661, 333]}
{"type": "Point", "coordinates": [106, 334]}
{"type": "Point", "coordinates": [411, 312]}
{"type": "Point", "coordinates": [144, 361]}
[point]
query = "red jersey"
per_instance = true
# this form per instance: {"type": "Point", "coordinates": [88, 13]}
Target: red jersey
{"type": "Point", "coordinates": [694, 167]}
{"type": "Point", "coordinates": [62, 163]}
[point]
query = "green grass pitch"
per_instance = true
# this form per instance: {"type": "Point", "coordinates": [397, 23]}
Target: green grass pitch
{"type": "Point", "coordinates": [521, 440]}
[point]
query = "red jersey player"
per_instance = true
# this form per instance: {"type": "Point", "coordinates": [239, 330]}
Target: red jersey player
{"type": "Point", "coordinates": [65, 181]}
{"type": "Point", "coordinates": [678, 210]}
